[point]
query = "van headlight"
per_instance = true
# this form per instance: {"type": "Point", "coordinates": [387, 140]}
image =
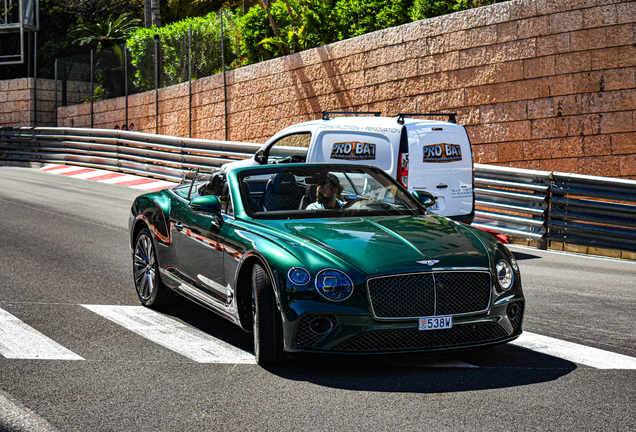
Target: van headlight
{"type": "Point", "coordinates": [334, 285]}
{"type": "Point", "coordinates": [505, 276]}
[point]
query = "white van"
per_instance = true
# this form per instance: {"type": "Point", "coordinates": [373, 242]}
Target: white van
{"type": "Point", "coordinates": [430, 155]}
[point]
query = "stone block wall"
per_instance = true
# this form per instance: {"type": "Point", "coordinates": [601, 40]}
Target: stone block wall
{"type": "Point", "coordinates": [539, 84]}
{"type": "Point", "coordinates": [18, 106]}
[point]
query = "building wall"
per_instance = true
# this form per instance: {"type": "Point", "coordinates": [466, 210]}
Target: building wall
{"type": "Point", "coordinates": [18, 106]}
{"type": "Point", "coordinates": [539, 84]}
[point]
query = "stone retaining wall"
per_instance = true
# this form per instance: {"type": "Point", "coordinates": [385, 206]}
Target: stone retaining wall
{"type": "Point", "coordinates": [17, 103]}
{"type": "Point", "coordinates": [539, 84]}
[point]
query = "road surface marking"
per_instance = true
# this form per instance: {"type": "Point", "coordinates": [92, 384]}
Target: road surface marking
{"type": "Point", "coordinates": [585, 355]}
{"type": "Point", "coordinates": [20, 341]}
{"type": "Point", "coordinates": [187, 341]}
{"type": "Point", "coordinates": [105, 176]}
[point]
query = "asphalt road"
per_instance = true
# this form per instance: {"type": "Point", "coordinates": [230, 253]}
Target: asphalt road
{"type": "Point", "coordinates": [63, 244]}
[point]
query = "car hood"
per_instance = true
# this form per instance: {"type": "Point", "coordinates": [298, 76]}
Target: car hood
{"type": "Point", "coordinates": [384, 245]}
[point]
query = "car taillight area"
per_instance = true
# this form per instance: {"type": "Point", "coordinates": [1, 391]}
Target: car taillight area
{"type": "Point", "coordinates": [403, 169]}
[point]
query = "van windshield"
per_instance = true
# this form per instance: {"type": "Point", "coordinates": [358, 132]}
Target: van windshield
{"type": "Point", "coordinates": [305, 191]}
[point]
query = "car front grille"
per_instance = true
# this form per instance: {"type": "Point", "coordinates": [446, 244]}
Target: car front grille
{"type": "Point", "coordinates": [428, 294]}
{"type": "Point", "coordinates": [411, 339]}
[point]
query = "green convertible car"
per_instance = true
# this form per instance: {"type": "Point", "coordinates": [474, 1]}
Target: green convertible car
{"type": "Point", "coordinates": [325, 258]}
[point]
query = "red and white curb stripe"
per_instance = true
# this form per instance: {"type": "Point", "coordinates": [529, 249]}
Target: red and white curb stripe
{"type": "Point", "coordinates": [105, 176]}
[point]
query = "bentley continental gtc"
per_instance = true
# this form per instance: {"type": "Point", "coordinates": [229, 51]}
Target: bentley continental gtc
{"type": "Point", "coordinates": [326, 259]}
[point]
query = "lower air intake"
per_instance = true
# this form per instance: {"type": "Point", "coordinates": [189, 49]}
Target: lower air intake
{"type": "Point", "coordinates": [411, 339]}
{"type": "Point", "coordinates": [306, 337]}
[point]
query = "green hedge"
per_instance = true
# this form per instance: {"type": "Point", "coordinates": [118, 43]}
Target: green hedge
{"type": "Point", "coordinates": [206, 50]}
{"type": "Point", "coordinates": [249, 37]}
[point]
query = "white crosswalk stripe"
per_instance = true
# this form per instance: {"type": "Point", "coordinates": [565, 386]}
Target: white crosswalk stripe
{"type": "Point", "coordinates": [187, 341]}
{"type": "Point", "coordinates": [20, 341]}
{"type": "Point", "coordinates": [585, 355]}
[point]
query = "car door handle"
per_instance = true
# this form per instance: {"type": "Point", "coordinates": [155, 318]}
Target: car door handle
{"type": "Point", "coordinates": [442, 186]}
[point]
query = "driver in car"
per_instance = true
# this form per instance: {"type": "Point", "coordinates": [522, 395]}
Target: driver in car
{"type": "Point", "coordinates": [329, 189]}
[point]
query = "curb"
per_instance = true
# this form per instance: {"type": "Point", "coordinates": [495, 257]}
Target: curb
{"type": "Point", "coordinates": [146, 184]}
{"type": "Point", "coordinates": [15, 417]}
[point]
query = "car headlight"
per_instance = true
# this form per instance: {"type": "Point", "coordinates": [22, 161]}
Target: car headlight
{"type": "Point", "coordinates": [298, 275]}
{"type": "Point", "coordinates": [513, 263]}
{"type": "Point", "coordinates": [505, 275]}
{"type": "Point", "coordinates": [334, 285]}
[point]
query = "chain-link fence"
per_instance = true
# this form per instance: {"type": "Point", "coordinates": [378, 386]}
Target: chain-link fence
{"type": "Point", "coordinates": [146, 63]}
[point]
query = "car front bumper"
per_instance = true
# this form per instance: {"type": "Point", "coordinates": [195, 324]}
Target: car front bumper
{"type": "Point", "coordinates": [362, 333]}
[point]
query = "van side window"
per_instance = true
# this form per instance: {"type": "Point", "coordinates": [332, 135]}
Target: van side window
{"type": "Point", "coordinates": [290, 149]}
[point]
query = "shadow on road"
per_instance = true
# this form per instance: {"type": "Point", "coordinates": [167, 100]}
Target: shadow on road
{"type": "Point", "coordinates": [210, 323]}
{"type": "Point", "coordinates": [520, 256]}
{"type": "Point", "coordinates": [495, 367]}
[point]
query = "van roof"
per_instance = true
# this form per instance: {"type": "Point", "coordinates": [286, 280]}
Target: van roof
{"type": "Point", "coordinates": [361, 123]}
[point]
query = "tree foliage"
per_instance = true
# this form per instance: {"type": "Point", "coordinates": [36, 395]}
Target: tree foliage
{"type": "Point", "coordinates": [173, 38]}
{"type": "Point", "coordinates": [304, 24]}
{"type": "Point", "coordinates": [108, 32]}
{"type": "Point", "coordinates": [423, 9]}
{"type": "Point", "coordinates": [355, 18]}
{"type": "Point", "coordinates": [85, 11]}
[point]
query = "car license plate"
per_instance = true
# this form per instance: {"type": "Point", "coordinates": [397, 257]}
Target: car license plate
{"type": "Point", "coordinates": [434, 207]}
{"type": "Point", "coordinates": [436, 322]}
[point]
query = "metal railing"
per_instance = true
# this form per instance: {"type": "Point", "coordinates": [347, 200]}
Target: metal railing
{"type": "Point", "coordinates": [512, 201]}
{"type": "Point", "coordinates": [593, 211]}
{"type": "Point", "coordinates": [537, 205]}
{"type": "Point", "coordinates": [159, 156]}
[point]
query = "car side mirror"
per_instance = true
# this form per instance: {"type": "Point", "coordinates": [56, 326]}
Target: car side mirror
{"type": "Point", "coordinates": [207, 204]}
{"type": "Point", "coordinates": [425, 198]}
{"type": "Point", "coordinates": [260, 157]}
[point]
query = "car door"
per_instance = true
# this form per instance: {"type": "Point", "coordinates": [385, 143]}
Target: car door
{"type": "Point", "coordinates": [198, 242]}
{"type": "Point", "coordinates": [440, 162]}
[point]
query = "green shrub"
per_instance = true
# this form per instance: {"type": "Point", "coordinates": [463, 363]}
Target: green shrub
{"type": "Point", "coordinates": [174, 67]}
{"type": "Point", "coordinates": [423, 9]}
{"type": "Point", "coordinates": [355, 18]}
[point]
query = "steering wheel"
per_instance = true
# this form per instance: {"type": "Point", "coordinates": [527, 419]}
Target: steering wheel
{"type": "Point", "coordinates": [368, 204]}
{"type": "Point", "coordinates": [353, 202]}
{"type": "Point", "coordinates": [290, 159]}
{"type": "Point", "coordinates": [297, 159]}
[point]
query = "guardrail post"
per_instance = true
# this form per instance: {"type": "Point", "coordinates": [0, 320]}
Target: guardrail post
{"type": "Point", "coordinates": [157, 84]}
{"type": "Point", "coordinates": [542, 243]}
{"type": "Point", "coordinates": [126, 81]}
{"type": "Point", "coordinates": [190, 82]}
{"type": "Point", "coordinates": [92, 90]}
{"type": "Point", "coordinates": [63, 66]}
{"type": "Point", "coordinates": [224, 79]}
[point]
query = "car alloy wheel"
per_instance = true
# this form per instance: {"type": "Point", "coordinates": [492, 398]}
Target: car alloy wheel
{"type": "Point", "coordinates": [151, 291]}
{"type": "Point", "coordinates": [265, 320]}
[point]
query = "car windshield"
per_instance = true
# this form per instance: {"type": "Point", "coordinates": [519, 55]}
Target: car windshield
{"type": "Point", "coordinates": [284, 192]}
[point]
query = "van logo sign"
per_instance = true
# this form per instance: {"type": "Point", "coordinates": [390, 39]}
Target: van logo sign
{"type": "Point", "coordinates": [428, 262]}
{"type": "Point", "coordinates": [442, 152]}
{"type": "Point", "coordinates": [353, 150]}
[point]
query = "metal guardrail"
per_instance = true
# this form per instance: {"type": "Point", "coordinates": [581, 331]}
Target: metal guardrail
{"type": "Point", "coordinates": [593, 211]}
{"type": "Point", "coordinates": [538, 205]}
{"type": "Point", "coordinates": [159, 156]}
{"type": "Point", "coordinates": [512, 201]}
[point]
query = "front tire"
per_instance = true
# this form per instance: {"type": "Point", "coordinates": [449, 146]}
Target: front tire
{"type": "Point", "coordinates": [150, 289]}
{"type": "Point", "coordinates": [266, 325]}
